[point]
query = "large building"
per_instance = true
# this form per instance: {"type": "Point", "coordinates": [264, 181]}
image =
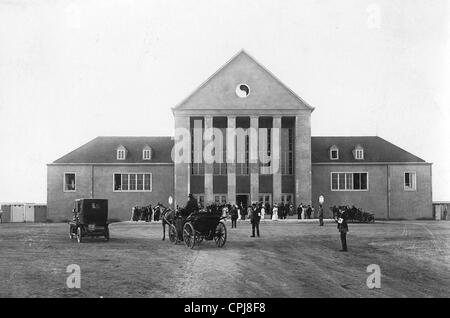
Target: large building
{"type": "Point", "coordinates": [368, 172]}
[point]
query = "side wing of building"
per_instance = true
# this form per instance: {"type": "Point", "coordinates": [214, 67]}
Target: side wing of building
{"type": "Point", "coordinates": [128, 171]}
{"type": "Point", "coordinates": [371, 174]}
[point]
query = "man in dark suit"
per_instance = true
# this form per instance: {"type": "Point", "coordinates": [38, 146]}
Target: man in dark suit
{"type": "Point", "coordinates": [320, 215]}
{"type": "Point", "coordinates": [343, 229]}
{"type": "Point", "coordinates": [191, 206]}
{"type": "Point", "coordinates": [255, 218]}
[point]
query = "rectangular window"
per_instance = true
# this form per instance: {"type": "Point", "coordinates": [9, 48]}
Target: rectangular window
{"type": "Point", "coordinates": [139, 182]}
{"type": "Point", "coordinates": [349, 181]}
{"type": "Point", "coordinates": [69, 182]}
{"type": "Point", "coordinates": [124, 182]}
{"type": "Point", "coordinates": [120, 154]}
{"type": "Point", "coordinates": [243, 159]}
{"type": "Point", "coordinates": [132, 182]}
{"type": "Point", "coordinates": [147, 154]}
{"type": "Point", "coordinates": [359, 154]}
{"type": "Point", "coordinates": [334, 154]}
{"type": "Point", "coordinates": [410, 181]}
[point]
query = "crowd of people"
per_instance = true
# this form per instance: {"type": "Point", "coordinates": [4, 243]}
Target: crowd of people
{"type": "Point", "coordinates": [235, 212]}
{"type": "Point", "coordinates": [255, 212]}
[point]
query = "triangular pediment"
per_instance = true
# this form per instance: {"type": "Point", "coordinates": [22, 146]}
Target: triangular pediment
{"type": "Point", "coordinates": [243, 83]}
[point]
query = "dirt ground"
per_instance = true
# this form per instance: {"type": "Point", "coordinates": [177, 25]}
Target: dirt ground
{"type": "Point", "coordinates": [288, 260]}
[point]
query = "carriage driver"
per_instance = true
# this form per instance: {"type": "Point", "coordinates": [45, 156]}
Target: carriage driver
{"type": "Point", "coordinates": [191, 206]}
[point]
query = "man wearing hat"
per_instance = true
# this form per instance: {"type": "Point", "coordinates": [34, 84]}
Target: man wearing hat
{"type": "Point", "coordinates": [191, 206]}
{"type": "Point", "coordinates": [255, 218]}
{"type": "Point", "coordinates": [343, 229]}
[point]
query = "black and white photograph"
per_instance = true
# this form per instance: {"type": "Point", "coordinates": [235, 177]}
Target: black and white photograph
{"type": "Point", "coordinates": [222, 153]}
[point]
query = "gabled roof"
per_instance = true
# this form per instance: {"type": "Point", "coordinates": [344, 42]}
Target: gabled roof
{"type": "Point", "coordinates": [103, 150]}
{"type": "Point", "coordinates": [218, 91]}
{"type": "Point", "coordinates": [376, 149]}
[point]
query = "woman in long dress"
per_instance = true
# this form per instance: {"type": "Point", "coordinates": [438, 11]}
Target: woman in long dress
{"type": "Point", "coordinates": [275, 212]}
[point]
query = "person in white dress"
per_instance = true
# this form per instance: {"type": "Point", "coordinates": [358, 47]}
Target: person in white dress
{"type": "Point", "coordinates": [263, 211]}
{"type": "Point", "coordinates": [275, 212]}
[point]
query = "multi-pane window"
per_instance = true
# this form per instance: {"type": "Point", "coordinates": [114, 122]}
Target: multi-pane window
{"type": "Point", "coordinates": [345, 181]}
{"type": "Point", "coordinates": [147, 154]}
{"type": "Point", "coordinates": [121, 153]}
{"type": "Point", "coordinates": [242, 165]}
{"type": "Point", "coordinates": [359, 154]}
{"type": "Point", "coordinates": [265, 166]}
{"type": "Point", "coordinates": [220, 199]}
{"type": "Point", "coordinates": [197, 164]}
{"type": "Point", "coordinates": [133, 182]}
{"type": "Point", "coordinates": [410, 181]}
{"type": "Point", "coordinates": [69, 182]}
{"type": "Point", "coordinates": [287, 155]}
{"type": "Point", "coordinates": [286, 198]}
{"type": "Point", "coordinates": [334, 153]}
{"type": "Point", "coordinates": [265, 198]}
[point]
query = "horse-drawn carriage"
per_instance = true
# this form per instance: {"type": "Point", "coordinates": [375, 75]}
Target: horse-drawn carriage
{"type": "Point", "coordinates": [196, 227]}
{"type": "Point", "coordinates": [89, 219]}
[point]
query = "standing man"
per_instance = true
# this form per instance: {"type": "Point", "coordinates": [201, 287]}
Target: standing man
{"type": "Point", "coordinates": [320, 215]}
{"type": "Point", "coordinates": [299, 211]}
{"type": "Point", "coordinates": [255, 218]}
{"type": "Point", "coordinates": [234, 215]}
{"type": "Point", "coordinates": [343, 229]}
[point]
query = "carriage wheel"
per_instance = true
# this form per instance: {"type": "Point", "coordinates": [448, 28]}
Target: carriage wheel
{"type": "Point", "coordinates": [107, 234]}
{"type": "Point", "coordinates": [220, 237]}
{"type": "Point", "coordinates": [71, 232]}
{"type": "Point", "coordinates": [173, 235]}
{"type": "Point", "coordinates": [79, 232]}
{"type": "Point", "coordinates": [189, 235]}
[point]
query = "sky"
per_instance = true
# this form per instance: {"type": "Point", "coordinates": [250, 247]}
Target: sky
{"type": "Point", "coordinates": [74, 70]}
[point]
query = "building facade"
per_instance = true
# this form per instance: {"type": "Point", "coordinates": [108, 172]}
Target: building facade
{"type": "Point", "coordinates": [368, 172]}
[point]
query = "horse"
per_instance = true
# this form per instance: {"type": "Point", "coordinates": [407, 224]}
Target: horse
{"type": "Point", "coordinates": [167, 217]}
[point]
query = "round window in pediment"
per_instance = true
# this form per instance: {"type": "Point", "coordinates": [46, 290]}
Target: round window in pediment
{"type": "Point", "coordinates": [242, 90]}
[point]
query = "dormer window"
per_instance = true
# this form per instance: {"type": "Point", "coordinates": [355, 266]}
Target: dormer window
{"type": "Point", "coordinates": [121, 153]}
{"type": "Point", "coordinates": [147, 153]}
{"type": "Point", "coordinates": [358, 153]}
{"type": "Point", "coordinates": [334, 152]}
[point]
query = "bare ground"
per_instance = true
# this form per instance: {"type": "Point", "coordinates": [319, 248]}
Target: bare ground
{"type": "Point", "coordinates": [288, 260]}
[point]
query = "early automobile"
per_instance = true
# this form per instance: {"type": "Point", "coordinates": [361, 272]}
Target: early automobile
{"type": "Point", "coordinates": [90, 218]}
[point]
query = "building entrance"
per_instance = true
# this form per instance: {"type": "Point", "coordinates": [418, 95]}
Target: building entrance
{"type": "Point", "coordinates": [242, 199]}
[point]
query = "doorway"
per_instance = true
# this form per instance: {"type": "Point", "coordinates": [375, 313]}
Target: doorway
{"type": "Point", "coordinates": [242, 199]}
